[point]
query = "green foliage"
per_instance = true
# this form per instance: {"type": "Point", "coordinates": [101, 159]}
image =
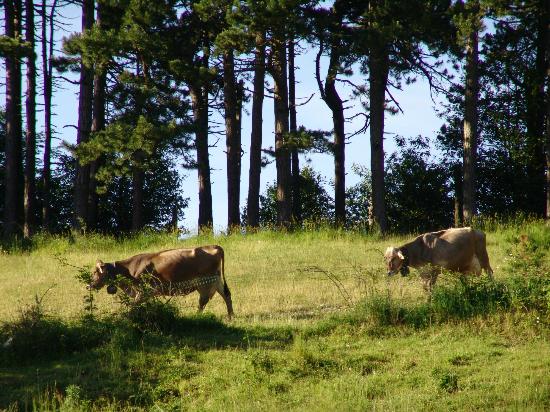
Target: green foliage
{"type": "Point", "coordinates": [15, 47]}
{"type": "Point", "coordinates": [510, 161]}
{"type": "Point", "coordinates": [415, 184]}
{"type": "Point", "coordinates": [125, 147]}
{"type": "Point", "coordinates": [317, 204]}
{"type": "Point", "coordinates": [358, 199]}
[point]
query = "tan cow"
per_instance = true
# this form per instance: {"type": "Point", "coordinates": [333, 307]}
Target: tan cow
{"type": "Point", "coordinates": [170, 272]}
{"type": "Point", "coordinates": [460, 250]}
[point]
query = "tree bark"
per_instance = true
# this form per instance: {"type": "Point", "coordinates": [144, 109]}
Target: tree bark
{"type": "Point", "coordinates": [470, 129]}
{"type": "Point", "coordinates": [546, 8]}
{"type": "Point", "coordinates": [282, 158]}
{"type": "Point", "coordinates": [379, 69]}
{"type": "Point", "coordinates": [294, 159]}
{"type": "Point", "coordinates": [536, 111]}
{"type": "Point", "coordinates": [199, 99]}
{"type": "Point", "coordinates": [30, 137]}
{"type": "Point", "coordinates": [13, 198]}
{"type": "Point", "coordinates": [98, 124]}
{"type": "Point", "coordinates": [232, 141]}
{"type": "Point", "coordinates": [457, 177]}
{"type": "Point", "coordinates": [47, 52]}
{"type": "Point", "coordinates": [85, 99]}
{"type": "Point", "coordinates": [334, 102]}
{"type": "Point", "coordinates": [253, 200]}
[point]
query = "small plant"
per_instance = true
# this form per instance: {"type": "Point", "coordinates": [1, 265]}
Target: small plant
{"type": "Point", "coordinates": [84, 276]}
{"type": "Point", "coordinates": [74, 399]}
{"type": "Point", "coordinates": [32, 333]}
{"type": "Point", "coordinates": [446, 380]}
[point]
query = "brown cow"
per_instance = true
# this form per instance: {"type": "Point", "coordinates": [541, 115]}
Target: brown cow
{"type": "Point", "coordinates": [461, 250]}
{"type": "Point", "coordinates": [170, 272]}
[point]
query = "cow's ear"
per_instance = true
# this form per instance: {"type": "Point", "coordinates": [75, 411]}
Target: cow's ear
{"type": "Point", "coordinates": [400, 255]}
{"type": "Point", "coordinates": [100, 266]}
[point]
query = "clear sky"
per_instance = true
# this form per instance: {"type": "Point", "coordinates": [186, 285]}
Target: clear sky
{"type": "Point", "coordinates": [419, 117]}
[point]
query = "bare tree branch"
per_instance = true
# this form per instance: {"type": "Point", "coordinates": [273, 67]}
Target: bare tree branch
{"type": "Point", "coordinates": [394, 100]}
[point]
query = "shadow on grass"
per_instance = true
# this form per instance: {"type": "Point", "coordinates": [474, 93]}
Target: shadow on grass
{"type": "Point", "coordinates": [112, 357]}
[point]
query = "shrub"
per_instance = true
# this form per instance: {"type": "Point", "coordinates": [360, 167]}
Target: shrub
{"type": "Point", "coordinates": [34, 334]}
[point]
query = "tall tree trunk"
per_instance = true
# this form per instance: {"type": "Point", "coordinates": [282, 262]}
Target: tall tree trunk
{"type": "Point", "coordinates": [334, 102]}
{"type": "Point", "coordinates": [47, 52]}
{"type": "Point", "coordinates": [379, 69]}
{"type": "Point", "coordinates": [546, 15]}
{"type": "Point", "coordinates": [30, 137]}
{"type": "Point", "coordinates": [138, 181]}
{"type": "Point", "coordinates": [232, 141]}
{"type": "Point", "coordinates": [535, 99]}
{"type": "Point", "coordinates": [282, 158]}
{"type": "Point", "coordinates": [253, 200]}
{"type": "Point", "coordinates": [294, 159]}
{"type": "Point", "coordinates": [85, 99]}
{"type": "Point", "coordinates": [199, 98]}
{"type": "Point", "coordinates": [470, 128]}
{"type": "Point", "coordinates": [98, 124]}
{"type": "Point", "coordinates": [13, 197]}
{"type": "Point", "coordinates": [457, 177]}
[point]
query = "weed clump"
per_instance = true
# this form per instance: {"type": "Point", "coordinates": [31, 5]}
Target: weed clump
{"type": "Point", "coordinates": [36, 335]}
{"type": "Point", "coordinates": [446, 380]}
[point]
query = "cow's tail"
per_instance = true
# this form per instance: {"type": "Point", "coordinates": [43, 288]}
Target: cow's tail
{"type": "Point", "coordinates": [226, 290]}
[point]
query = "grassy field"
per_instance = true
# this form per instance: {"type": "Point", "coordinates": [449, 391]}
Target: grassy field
{"type": "Point", "coordinates": [318, 326]}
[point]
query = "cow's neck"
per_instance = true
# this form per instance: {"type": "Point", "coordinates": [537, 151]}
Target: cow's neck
{"type": "Point", "coordinates": [122, 269]}
{"type": "Point", "coordinates": [406, 261]}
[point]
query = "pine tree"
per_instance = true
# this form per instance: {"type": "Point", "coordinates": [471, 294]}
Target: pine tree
{"type": "Point", "coordinates": [333, 36]}
{"type": "Point", "coordinates": [47, 44]}
{"type": "Point", "coordinates": [471, 33]}
{"type": "Point", "coordinates": [253, 199]}
{"type": "Point", "coordinates": [30, 136]}
{"type": "Point", "coordinates": [13, 198]}
{"type": "Point", "coordinates": [85, 99]}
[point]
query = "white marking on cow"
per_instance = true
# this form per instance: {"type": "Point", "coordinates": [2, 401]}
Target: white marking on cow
{"type": "Point", "coordinates": [184, 288]}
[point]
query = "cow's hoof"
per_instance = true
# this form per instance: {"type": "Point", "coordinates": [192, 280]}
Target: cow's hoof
{"type": "Point", "coordinates": [111, 289]}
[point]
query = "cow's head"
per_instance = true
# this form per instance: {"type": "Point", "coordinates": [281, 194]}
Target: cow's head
{"type": "Point", "coordinates": [395, 261]}
{"type": "Point", "coordinates": [103, 273]}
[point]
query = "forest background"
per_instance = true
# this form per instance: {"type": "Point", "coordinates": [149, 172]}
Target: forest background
{"type": "Point", "coordinates": [162, 87]}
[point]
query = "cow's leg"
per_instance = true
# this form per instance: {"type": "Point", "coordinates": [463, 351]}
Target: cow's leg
{"type": "Point", "coordinates": [483, 257]}
{"type": "Point", "coordinates": [223, 290]}
{"type": "Point", "coordinates": [203, 300]}
{"type": "Point", "coordinates": [429, 277]}
{"type": "Point", "coordinates": [474, 268]}
{"type": "Point", "coordinates": [484, 263]}
{"type": "Point", "coordinates": [206, 293]}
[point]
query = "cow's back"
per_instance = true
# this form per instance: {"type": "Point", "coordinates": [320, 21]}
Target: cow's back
{"type": "Point", "coordinates": [451, 248]}
{"type": "Point", "coordinates": [177, 265]}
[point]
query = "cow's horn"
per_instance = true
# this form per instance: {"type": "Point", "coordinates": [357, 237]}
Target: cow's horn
{"type": "Point", "coordinates": [99, 266]}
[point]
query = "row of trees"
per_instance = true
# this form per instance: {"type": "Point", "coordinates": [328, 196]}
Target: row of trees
{"type": "Point", "coordinates": [151, 75]}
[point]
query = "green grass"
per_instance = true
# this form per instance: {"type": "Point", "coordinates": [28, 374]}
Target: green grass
{"type": "Point", "coordinates": [318, 327]}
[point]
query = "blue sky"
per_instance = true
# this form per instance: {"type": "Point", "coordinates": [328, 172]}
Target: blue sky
{"type": "Point", "coordinates": [419, 118]}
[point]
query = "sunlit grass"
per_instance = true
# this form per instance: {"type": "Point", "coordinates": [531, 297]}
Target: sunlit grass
{"type": "Point", "coordinates": [319, 326]}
